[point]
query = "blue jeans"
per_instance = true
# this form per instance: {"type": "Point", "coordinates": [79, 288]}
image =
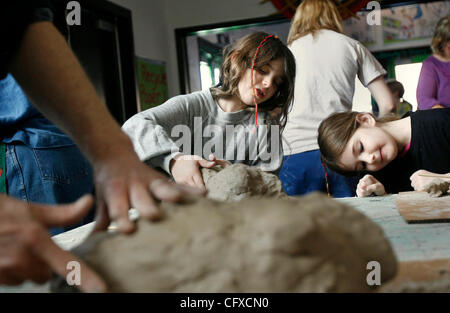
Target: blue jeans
{"type": "Point", "coordinates": [302, 173]}
{"type": "Point", "coordinates": [50, 176]}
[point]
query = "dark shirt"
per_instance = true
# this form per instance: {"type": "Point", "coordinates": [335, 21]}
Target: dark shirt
{"type": "Point", "coordinates": [19, 120]}
{"type": "Point", "coordinates": [15, 16]}
{"type": "Point", "coordinates": [430, 150]}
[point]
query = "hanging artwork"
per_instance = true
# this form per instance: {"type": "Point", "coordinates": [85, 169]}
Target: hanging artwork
{"type": "Point", "coordinates": [152, 82]}
{"type": "Point", "coordinates": [359, 29]}
{"type": "Point", "coordinates": [412, 22]}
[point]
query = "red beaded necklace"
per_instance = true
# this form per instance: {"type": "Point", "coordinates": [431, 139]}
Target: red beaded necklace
{"type": "Point", "coordinates": [326, 180]}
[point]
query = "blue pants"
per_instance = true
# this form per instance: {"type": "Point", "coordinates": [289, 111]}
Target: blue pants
{"type": "Point", "coordinates": [302, 173]}
{"type": "Point", "coordinates": [51, 176]}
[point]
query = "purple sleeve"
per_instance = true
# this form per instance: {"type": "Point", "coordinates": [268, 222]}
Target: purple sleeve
{"type": "Point", "coordinates": [427, 87]}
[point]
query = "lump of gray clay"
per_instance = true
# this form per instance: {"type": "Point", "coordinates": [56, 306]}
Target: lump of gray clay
{"type": "Point", "coordinates": [437, 188]}
{"type": "Point", "coordinates": [239, 181]}
{"type": "Point", "coordinates": [306, 244]}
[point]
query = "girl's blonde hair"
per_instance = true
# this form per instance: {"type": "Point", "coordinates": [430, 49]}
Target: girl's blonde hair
{"type": "Point", "coordinates": [441, 35]}
{"type": "Point", "coordinates": [312, 16]}
{"type": "Point", "coordinates": [335, 132]}
{"type": "Point", "coordinates": [238, 57]}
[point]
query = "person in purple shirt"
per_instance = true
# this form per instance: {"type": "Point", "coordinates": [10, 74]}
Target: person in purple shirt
{"type": "Point", "coordinates": [433, 90]}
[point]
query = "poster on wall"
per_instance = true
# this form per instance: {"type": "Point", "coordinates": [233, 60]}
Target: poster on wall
{"type": "Point", "coordinates": [359, 29]}
{"type": "Point", "coordinates": [412, 22]}
{"type": "Point", "coordinates": [152, 82]}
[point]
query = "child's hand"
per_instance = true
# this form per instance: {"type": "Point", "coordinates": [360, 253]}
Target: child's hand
{"type": "Point", "coordinates": [369, 185]}
{"type": "Point", "coordinates": [185, 169]}
{"type": "Point", "coordinates": [419, 182]}
{"type": "Point", "coordinates": [224, 163]}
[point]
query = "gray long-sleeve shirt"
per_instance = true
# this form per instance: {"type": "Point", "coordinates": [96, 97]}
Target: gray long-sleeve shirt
{"type": "Point", "coordinates": [194, 124]}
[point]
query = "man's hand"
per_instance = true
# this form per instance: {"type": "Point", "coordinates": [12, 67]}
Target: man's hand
{"type": "Point", "coordinates": [369, 185]}
{"type": "Point", "coordinates": [122, 181]}
{"type": "Point", "coordinates": [54, 81]}
{"type": "Point", "coordinates": [26, 250]}
{"type": "Point", "coordinates": [438, 106]}
{"type": "Point", "coordinates": [419, 182]}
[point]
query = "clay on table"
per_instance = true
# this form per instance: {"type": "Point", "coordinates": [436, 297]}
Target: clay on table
{"type": "Point", "coordinates": [306, 244]}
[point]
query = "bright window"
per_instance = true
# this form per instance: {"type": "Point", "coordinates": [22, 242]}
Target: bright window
{"type": "Point", "coordinates": [408, 75]}
{"type": "Point", "coordinates": [205, 74]}
{"type": "Point", "coordinates": [216, 75]}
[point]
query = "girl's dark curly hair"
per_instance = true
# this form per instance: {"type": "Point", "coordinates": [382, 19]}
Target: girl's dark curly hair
{"type": "Point", "coordinates": [238, 57]}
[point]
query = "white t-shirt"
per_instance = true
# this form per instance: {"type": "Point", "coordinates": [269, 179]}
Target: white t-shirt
{"type": "Point", "coordinates": [326, 67]}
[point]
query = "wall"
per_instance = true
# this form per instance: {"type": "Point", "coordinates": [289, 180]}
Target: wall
{"type": "Point", "coordinates": [155, 21]}
{"type": "Point", "coordinates": [149, 27]}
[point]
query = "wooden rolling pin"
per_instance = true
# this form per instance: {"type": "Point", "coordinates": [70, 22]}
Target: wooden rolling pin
{"type": "Point", "coordinates": [435, 175]}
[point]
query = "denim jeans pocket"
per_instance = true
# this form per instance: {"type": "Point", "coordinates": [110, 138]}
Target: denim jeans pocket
{"type": "Point", "coordinates": [63, 165]}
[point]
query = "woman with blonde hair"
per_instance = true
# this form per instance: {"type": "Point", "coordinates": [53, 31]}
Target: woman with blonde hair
{"type": "Point", "coordinates": [433, 90]}
{"type": "Point", "coordinates": [327, 64]}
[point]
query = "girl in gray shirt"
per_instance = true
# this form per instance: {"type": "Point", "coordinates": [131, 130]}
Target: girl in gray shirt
{"type": "Point", "coordinates": [239, 121]}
